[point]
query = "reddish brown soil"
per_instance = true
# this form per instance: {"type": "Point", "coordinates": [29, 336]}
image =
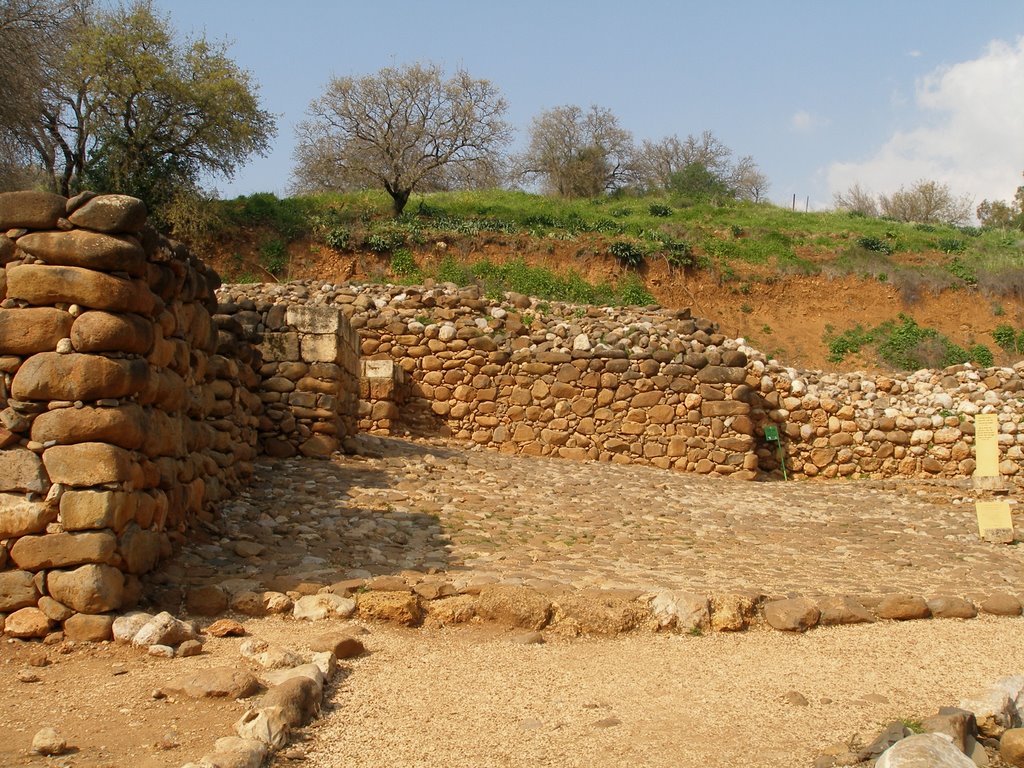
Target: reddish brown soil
{"type": "Point", "coordinates": [786, 316]}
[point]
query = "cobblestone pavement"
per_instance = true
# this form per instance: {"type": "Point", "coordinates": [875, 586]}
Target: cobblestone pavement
{"type": "Point", "coordinates": [481, 516]}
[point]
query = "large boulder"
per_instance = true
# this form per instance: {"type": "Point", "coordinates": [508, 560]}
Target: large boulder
{"type": "Point", "coordinates": [19, 516]}
{"type": "Point", "coordinates": [100, 331]}
{"type": "Point", "coordinates": [45, 285]}
{"type": "Point", "coordinates": [52, 376]}
{"type": "Point", "coordinates": [111, 213]}
{"type": "Point", "coordinates": [91, 250]}
{"type": "Point", "coordinates": [924, 750]}
{"type": "Point", "coordinates": [21, 470]}
{"type": "Point", "coordinates": [17, 590]}
{"type": "Point", "coordinates": [30, 210]}
{"type": "Point", "coordinates": [32, 329]}
{"type": "Point", "coordinates": [124, 426]}
{"type": "Point", "coordinates": [89, 589]}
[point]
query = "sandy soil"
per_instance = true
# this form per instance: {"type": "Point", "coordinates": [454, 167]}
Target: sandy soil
{"type": "Point", "coordinates": [476, 698]}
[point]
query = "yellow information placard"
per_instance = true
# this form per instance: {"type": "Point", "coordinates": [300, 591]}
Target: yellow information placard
{"type": "Point", "coordinates": [994, 520]}
{"type": "Point", "coordinates": [986, 445]}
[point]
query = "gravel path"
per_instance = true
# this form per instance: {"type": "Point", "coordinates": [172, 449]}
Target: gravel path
{"type": "Point", "coordinates": [475, 698]}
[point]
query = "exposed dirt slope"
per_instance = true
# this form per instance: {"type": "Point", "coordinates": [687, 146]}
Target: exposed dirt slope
{"type": "Point", "coordinates": [786, 316]}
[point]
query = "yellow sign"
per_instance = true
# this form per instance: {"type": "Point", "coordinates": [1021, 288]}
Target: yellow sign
{"type": "Point", "coordinates": [986, 445]}
{"type": "Point", "coordinates": [994, 520]}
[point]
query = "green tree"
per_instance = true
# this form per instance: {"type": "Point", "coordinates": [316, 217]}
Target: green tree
{"type": "Point", "coordinates": [1001, 214]}
{"type": "Point", "coordinates": [132, 109]}
{"type": "Point", "coordinates": [403, 128]}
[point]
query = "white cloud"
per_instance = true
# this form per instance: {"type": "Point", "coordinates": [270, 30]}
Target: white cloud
{"type": "Point", "coordinates": [967, 132]}
{"type": "Point", "coordinates": [915, 54]}
{"type": "Point", "coordinates": [803, 121]}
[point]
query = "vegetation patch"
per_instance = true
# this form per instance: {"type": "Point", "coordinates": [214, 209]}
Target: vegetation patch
{"type": "Point", "coordinates": [904, 345]}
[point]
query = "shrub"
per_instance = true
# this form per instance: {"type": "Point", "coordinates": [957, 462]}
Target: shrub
{"type": "Point", "coordinates": [876, 244]}
{"type": "Point", "coordinates": [403, 264]}
{"type": "Point", "coordinates": [628, 254]}
{"type": "Point", "coordinates": [958, 269]}
{"type": "Point", "coordinates": [337, 238]}
{"type": "Point", "coordinates": [952, 245]}
{"type": "Point", "coordinates": [274, 256]}
{"type": "Point", "coordinates": [849, 342]}
{"type": "Point", "coordinates": [1006, 338]}
{"type": "Point", "coordinates": [658, 209]}
{"type": "Point", "coordinates": [450, 271]}
{"type": "Point", "coordinates": [385, 237]}
{"type": "Point", "coordinates": [981, 355]}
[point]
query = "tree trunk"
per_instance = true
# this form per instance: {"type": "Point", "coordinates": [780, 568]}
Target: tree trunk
{"type": "Point", "coordinates": [399, 198]}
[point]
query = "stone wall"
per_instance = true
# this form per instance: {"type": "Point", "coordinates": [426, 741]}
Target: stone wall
{"type": "Point", "coordinates": [527, 377]}
{"type": "Point", "coordinates": [910, 425]}
{"type": "Point", "coordinates": [309, 377]}
{"type": "Point", "coordinates": [120, 422]}
{"type": "Point", "coordinates": [650, 386]}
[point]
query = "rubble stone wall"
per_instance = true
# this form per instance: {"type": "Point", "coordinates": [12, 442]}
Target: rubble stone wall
{"type": "Point", "coordinates": [309, 375]}
{"type": "Point", "coordinates": [910, 425]}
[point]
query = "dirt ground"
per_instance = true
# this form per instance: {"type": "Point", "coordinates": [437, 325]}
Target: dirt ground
{"type": "Point", "coordinates": [475, 697]}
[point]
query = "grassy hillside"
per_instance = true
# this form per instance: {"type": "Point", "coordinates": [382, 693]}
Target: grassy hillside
{"type": "Point", "coordinates": [641, 249]}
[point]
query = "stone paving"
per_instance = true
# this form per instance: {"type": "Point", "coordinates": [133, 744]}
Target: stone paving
{"type": "Point", "coordinates": [479, 516]}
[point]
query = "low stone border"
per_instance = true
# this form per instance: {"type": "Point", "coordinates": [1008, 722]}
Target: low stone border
{"type": "Point", "coordinates": [438, 600]}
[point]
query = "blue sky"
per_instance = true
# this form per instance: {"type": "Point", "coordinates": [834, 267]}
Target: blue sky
{"type": "Point", "coordinates": [821, 94]}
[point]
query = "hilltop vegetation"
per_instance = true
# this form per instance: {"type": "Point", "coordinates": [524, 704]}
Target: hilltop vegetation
{"type": "Point", "coordinates": [725, 259]}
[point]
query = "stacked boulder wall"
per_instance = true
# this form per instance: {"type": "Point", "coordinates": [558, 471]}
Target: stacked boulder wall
{"type": "Point", "coordinates": [121, 419]}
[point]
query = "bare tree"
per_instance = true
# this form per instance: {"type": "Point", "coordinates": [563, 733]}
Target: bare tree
{"type": "Point", "coordinates": [33, 35]}
{"type": "Point", "coordinates": [856, 200]}
{"type": "Point", "coordinates": [578, 153]}
{"type": "Point", "coordinates": [661, 165]}
{"type": "Point", "coordinates": [927, 202]}
{"type": "Point", "coordinates": [402, 128]}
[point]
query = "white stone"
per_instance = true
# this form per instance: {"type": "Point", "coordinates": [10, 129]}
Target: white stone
{"type": "Point", "coordinates": [318, 607]}
{"type": "Point", "coordinates": [924, 750]}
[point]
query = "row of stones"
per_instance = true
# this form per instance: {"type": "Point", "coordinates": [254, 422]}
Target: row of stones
{"type": "Point", "coordinates": [309, 377]}
{"type": "Point", "coordinates": [918, 425]}
{"type": "Point", "coordinates": [121, 423]}
{"type": "Point", "coordinates": [415, 598]}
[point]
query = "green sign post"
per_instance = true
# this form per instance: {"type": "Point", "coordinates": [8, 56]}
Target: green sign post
{"type": "Point", "coordinates": [771, 434]}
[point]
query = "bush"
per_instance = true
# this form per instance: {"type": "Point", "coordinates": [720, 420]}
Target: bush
{"type": "Point", "coordinates": [952, 245]}
{"type": "Point", "coordinates": [981, 355]}
{"type": "Point", "coordinates": [628, 254]}
{"type": "Point", "coordinates": [403, 264]}
{"type": "Point", "coordinates": [849, 342]}
{"type": "Point", "coordinates": [658, 209]}
{"type": "Point", "coordinates": [274, 256]}
{"type": "Point", "coordinates": [876, 244]}
{"type": "Point", "coordinates": [958, 269]}
{"type": "Point", "coordinates": [1006, 338]}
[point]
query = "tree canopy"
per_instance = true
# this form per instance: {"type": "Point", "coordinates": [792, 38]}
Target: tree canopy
{"type": "Point", "coordinates": [128, 107]}
{"type": "Point", "coordinates": [403, 128]}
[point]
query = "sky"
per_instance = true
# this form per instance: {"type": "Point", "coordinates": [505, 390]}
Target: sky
{"type": "Point", "coordinates": [822, 94]}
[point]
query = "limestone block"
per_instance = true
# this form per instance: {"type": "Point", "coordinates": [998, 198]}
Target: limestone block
{"type": "Point", "coordinates": [318, 319]}
{"type": "Point", "coordinates": [719, 374]}
{"type": "Point", "coordinates": [17, 590]}
{"type": "Point", "coordinates": [796, 614]}
{"type": "Point", "coordinates": [26, 623]}
{"type": "Point", "coordinates": [320, 348]}
{"type": "Point", "coordinates": [140, 549]}
{"type": "Point", "coordinates": [45, 285]}
{"type": "Point", "coordinates": [19, 516]}
{"type": "Point", "coordinates": [88, 464]}
{"type": "Point", "coordinates": [33, 329]}
{"type": "Point", "coordinates": [50, 376]}
{"type": "Point", "coordinates": [99, 331]}
{"type": "Point", "coordinates": [278, 347]}
{"type": "Point", "coordinates": [111, 213]}
{"type": "Point", "coordinates": [91, 250]}
{"type": "Point", "coordinates": [125, 426]}
{"type": "Point", "coordinates": [21, 470]}
{"type": "Point", "coordinates": [57, 550]}
{"type": "Point", "coordinates": [85, 510]}
{"type": "Point", "coordinates": [713, 408]}
{"type": "Point", "coordinates": [30, 210]}
{"type": "Point", "coordinates": [89, 628]}
{"type": "Point", "coordinates": [89, 589]}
